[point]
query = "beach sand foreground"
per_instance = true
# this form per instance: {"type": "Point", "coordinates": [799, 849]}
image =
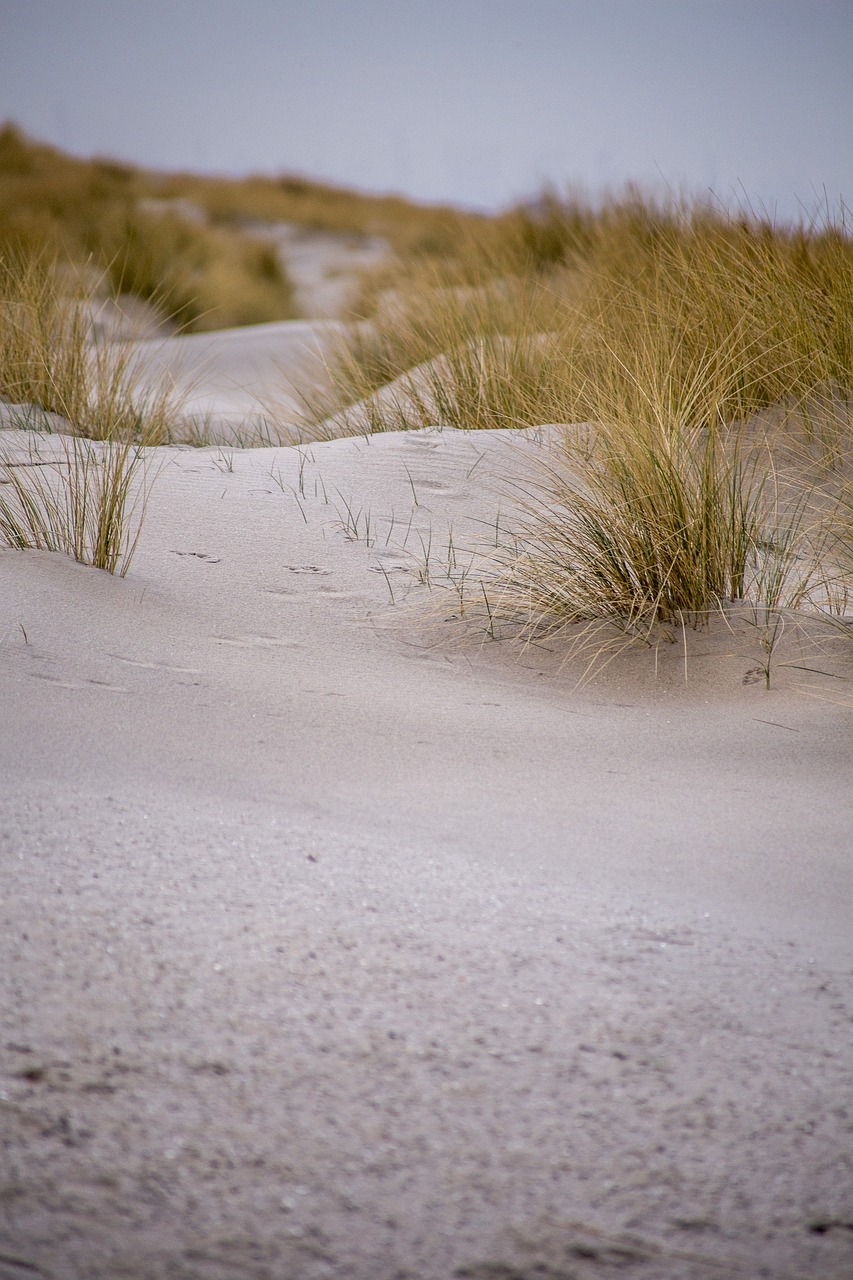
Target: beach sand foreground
{"type": "Point", "coordinates": [339, 940]}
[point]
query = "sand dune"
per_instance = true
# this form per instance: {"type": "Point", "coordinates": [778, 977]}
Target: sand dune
{"type": "Point", "coordinates": [236, 385]}
{"type": "Point", "coordinates": [325, 266]}
{"type": "Point", "coordinates": [340, 939]}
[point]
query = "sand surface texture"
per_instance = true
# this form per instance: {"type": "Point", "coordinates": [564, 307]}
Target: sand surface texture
{"type": "Point", "coordinates": [238, 386]}
{"type": "Point", "coordinates": [338, 939]}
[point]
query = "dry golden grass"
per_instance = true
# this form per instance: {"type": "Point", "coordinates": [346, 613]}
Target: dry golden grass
{"type": "Point", "coordinates": [95, 212]}
{"type": "Point", "coordinates": [202, 278]}
{"type": "Point", "coordinates": [210, 272]}
{"type": "Point", "coordinates": [691, 284]}
{"type": "Point", "coordinates": [83, 498]}
{"type": "Point", "coordinates": [48, 358]}
{"type": "Point", "coordinates": [666, 330]}
{"type": "Point", "coordinates": [410, 228]}
{"type": "Point", "coordinates": [84, 492]}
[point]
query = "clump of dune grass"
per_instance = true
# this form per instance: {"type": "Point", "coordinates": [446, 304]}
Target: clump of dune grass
{"type": "Point", "coordinates": [81, 492]}
{"type": "Point", "coordinates": [676, 499]}
{"type": "Point", "coordinates": [81, 497]}
{"type": "Point", "coordinates": [201, 277]}
{"type": "Point", "coordinates": [837, 521]}
{"type": "Point", "coordinates": [104, 213]}
{"type": "Point", "coordinates": [658, 524]}
{"type": "Point", "coordinates": [50, 360]}
{"type": "Point", "coordinates": [467, 356]}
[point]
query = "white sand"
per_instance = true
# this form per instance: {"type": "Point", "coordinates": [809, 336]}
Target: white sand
{"type": "Point", "coordinates": [325, 266]}
{"type": "Point", "coordinates": [339, 940]}
{"type": "Point", "coordinates": [236, 385]}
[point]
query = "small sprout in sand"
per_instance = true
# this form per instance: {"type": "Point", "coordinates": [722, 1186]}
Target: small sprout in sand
{"type": "Point", "coordinates": [225, 461]}
{"type": "Point", "coordinates": [424, 570]}
{"type": "Point", "coordinates": [771, 628]}
{"type": "Point", "coordinates": [303, 458]}
{"type": "Point", "coordinates": [299, 505]}
{"type": "Point", "coordinates": [412, 484]}
{"type": "Point", "coordinates": [356, 524]}
{"type": "Point", "coordinates": [388, 582]}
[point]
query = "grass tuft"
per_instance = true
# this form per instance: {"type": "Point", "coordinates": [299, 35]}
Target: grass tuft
{"type": "Point", "coordinates": [50, 359]}
{"type": "Point", "coordinates": [658, 525]}
{"type": "Point", "coordinates": [81, 493]}
{"type": "Point", "coordinates": [83, 498]}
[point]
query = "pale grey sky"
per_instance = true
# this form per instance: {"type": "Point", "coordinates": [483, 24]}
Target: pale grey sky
{"type": "Point", "coordinates": [472, 101]}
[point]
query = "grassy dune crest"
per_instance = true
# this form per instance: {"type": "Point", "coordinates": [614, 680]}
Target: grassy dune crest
{"type": "Point", "coordinates": [107, 215]}
{"type": "Point", "coordinates": [674, 333]}
{"type": "Point", "coordinates": [630, 292]}
{"type": "Point", "coordinates": [190, 241]}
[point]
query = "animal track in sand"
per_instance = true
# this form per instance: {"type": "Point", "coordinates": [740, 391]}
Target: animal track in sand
{"type": "Point", "coordinates": [78, 685]}
{"type": "Point", "coordinates": [257, 642]}
{"type": "Point", "coordinates": [199, 555]}
{"type": "Point", "coordinates": [156, 666]}
{"type": "Point", "coordinates": [307, 568]}
{"type": "Point", "coordinates": [432, 486]}
{"type": "Point", "coordinates": [328, 593]}
{"type": "Point", "coordinates": [288, 594]}
{"type": "Point", "coordinates": [386, 553]}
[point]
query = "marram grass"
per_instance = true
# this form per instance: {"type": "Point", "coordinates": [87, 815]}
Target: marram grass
{"type": "Point", "coordinates": [83, 498]}
{"type": "Point", "coordinates": [647, 526]}
{"type": "Point", "coordinates": [699, 290]}
{"type": "Point", "coordinates": [49, 358]}
{"type": "Point", "coordinates": [84, 492]}
{"type": "Point", "coordinates": [667, 333]}
{"type": "Point", "coordinates": [112, 216]}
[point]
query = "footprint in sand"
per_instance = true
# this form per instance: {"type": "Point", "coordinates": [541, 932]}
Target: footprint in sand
{"type": "Point", "coordinates": [77, 685]}
{"type": "Point", "coordinates": [431, 486]}
{"type": "Point", "coordinates": [199, 555]}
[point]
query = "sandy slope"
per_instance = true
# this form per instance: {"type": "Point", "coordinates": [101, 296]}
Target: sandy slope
{"type": "Point", "coordinates": [325, 266]}
{"type": "Point", "coordinates": [233, 384]}
{"type": "Point", "coordinates": [340, 940]}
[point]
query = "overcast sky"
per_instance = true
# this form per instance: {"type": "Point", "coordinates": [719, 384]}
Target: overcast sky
{"type": "Point", "coordinates": [477, 102]}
